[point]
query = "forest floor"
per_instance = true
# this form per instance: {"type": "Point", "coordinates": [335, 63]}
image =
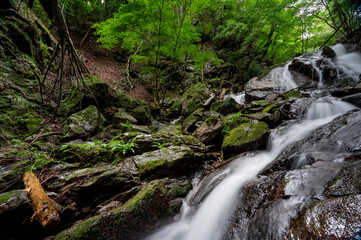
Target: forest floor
{"type": "Point", "coordinates": [101, 63]}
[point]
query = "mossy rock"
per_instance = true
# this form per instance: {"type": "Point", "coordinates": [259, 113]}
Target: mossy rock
{"type": "Point", "coordinates": [179, 190]}
{"type": "Point", "coordinates": [164, 162]}
{"type": "Point", "coordinates": [142, 114]}
{"type": "Point", "coordinates": [210, 132]}
{"type": "Point", "coordinates": [225, 107]}
{"type": "Point", "coordinates": [133, 220]}
{"type": "Point", "coordinates": [82, 123]}
{"type": "Point", "coordinates": [172, 129]}
{"type": "Point", "coordinates": [188, 124]}
{"type": "Point", "coordinates": [234, 120]}
{"type": "Point", "coordinates": [292, 94]}
{"type": "Point", "coordinates": [246, 137]}
{"type": "Point", "coordinates": [192, 99]}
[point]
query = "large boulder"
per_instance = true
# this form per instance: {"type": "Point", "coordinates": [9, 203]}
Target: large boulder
{"type": "Point", "coordinates": [259, 89]}
{"type": "Point", "coordinates": [164, 162]}
{"type": "Point", "coordinates": [210, 131]}
{"type": "Point", "coordinates": [248, 136]}
{"type": "Point", "coordinates": [191, 100]}
{"type": "Point", "coordinates": [225, 107]}
{"type": "Point", "coordinates": [82, 123]}
{"type": "Point", "coordinates": [337, 218]}
{"type": "Point", "coordinates": [133, 220]}
{"type": "Point", "coordinates": [86, 184]}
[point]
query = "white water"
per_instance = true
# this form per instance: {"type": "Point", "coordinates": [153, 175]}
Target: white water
{"type": "Point", "coordinates": [210, 220]}
{"type": "Point", "coordinates": [240, 98]}
{"type": "Point", "coordinates": [282, 78]}
{"type": "Point", "coordinates": [348, 64]}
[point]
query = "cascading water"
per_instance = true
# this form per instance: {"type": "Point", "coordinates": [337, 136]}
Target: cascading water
{"type": "Point", "coordinates": [348, 64]}
{"type": "Point", "coordinates": [283, 78]}
{"type": "Point", "coordinates": [210, 219]}
{"type": "Point", "coordinates": [238, 97]}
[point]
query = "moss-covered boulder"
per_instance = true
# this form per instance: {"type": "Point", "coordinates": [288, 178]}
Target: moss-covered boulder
{"type": "Point", "coordinates": [246, 137]}
{"type": "Point", "coordinates": [234, 120]}
{"type": "Point", "coordinates": [210, 132]}
{"type": "Point", "coordinates": [164, 162]}
{"type": "Point", "coordinates": [121, 117]}
{"type": "Point", "coordinates": [88, 184]}
{"type": "Point", "coordinates": [192, 99]}
{"type": "Point", "coordinates": [82, 123]}
{"type": "Point", "coordinates": [189, 124]}
{"type": "Point", "coordinates": [171, 128]}
{"type": "Point", "coordinates": [225, 107]}
{"type": "Point", "coordinates": [133, 220]}
{"type": "Point", "coordinates": [142, 114]}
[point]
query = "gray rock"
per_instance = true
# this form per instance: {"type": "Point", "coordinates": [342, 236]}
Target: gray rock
{"type": "Point", "coordinates": [83, 122]}
{"type": "Point", "coordinates": [259, 89]}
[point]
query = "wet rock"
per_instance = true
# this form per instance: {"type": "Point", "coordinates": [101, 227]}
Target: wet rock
{"type": "Point", "coordinates": [343, 92]}
{"type": "Point", "coordinates": [82, 123]}
{"type": "Point", "coordinates": [164, 162]}
{"type": "Point", "coordinates": [258, 89]}
{"type": "Point", "coordinates": [310, 181]}
{"type": "Point", "coordinates": [328, 52]}
{"type": "Point", "coordinates": [255, 196]}
{"type": "Point", "coordinates": [246, 137]}
{"type": "Point", "coordinates": [335, 141]}
{"type": "Point", "coordinates": [354, 99]}
{"type": "Point", "coordinates": [303, 66]}
{"type": "Point", "coordinates": [12, 201]}
{"type": "Point", "coordinates": [133, 220]}
{"type": "Point", "coordinates": [347, 182]}
{"type": "Point", "coordinates": [88, 183]}
{"type": "Point", "coordinates": [299, 107]}
{"type": "Point", "coordinates": [210, 131]}
{"type": "Point", "coordinates": [338, 218]}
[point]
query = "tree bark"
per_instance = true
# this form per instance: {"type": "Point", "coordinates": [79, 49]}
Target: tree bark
{"type": "Point", "coordinates": [44, 211]}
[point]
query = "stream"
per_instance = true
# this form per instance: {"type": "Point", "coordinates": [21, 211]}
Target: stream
{"type": "Point", "coordinates": [209, 218]}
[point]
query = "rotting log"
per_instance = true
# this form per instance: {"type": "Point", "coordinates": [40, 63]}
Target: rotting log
{"type": "Point", "coordinates": [44, 211]}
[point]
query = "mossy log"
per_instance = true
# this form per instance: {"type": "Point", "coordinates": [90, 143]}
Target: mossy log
{"type": "Point", "coordinates": [44, 211]}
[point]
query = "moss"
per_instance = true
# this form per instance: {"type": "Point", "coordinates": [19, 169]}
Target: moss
{"type": "Point", "coordinates": [176, 106]}
{"type": "Point", "coordinates": [82, 230]}
{"type": "Point", "coordinates": [216, 106]}
{"type": "Point", "coordinates": [212, 120]}
{"type": "Point", "coordinates": [4, 197]}
{"type": "Point", "coordinates": [136, 204]}
{"type": "Point", "coordinates": [234, 120]}
{"type": "Point", "coordinates": [270, 108]}
{"type": "Point", "coordinates": [142, 114]}
{"type": "Point", "coordinates": [151, 165]}
{"type": "Point", "coordinates": [180, 190]}
{"type": "Point", "coordinates": [292, 94]}
{"type": "Point", "coordinates": [246, 137]}
{"type": "Point", "coordinates": [245, 133]}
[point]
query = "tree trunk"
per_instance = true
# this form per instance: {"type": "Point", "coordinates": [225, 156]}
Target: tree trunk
{"type": "Point", "coordinates": [44, 211]}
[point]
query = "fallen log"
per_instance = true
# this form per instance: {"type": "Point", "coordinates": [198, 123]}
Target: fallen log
{"type": "Point", "coordinates": [44, 211]}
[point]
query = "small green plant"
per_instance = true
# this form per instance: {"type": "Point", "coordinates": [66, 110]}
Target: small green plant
{"type": "Point", "coordinates": [158, 145]}
{"type": "Point", "coordinates": [126, 125]}
{"type": "Point", "coordinates": [119, 147]}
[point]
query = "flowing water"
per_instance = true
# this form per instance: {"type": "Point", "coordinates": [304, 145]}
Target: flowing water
{"type": "Point", "coordinates": [207, 219]}
{"type": "Point", "coordinates": [210, 219]}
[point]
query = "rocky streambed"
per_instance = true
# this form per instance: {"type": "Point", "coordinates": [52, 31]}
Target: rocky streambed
{"type": "Point", "coordinates": [117, 168]}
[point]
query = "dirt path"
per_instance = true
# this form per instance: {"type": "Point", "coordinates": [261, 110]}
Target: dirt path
{"type": "Point", "coordinates": [101, 63]}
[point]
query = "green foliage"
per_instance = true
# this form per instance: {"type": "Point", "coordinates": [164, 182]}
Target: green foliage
{"type": "Point", "coordinates": [158, 145]}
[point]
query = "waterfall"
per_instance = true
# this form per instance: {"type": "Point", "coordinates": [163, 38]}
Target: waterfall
{"type": "Point", "coordinates": [348, 65]}
{"type": "Point", "coordinates": [282, 78]}
{"type": "Point", "coordinates": [210, 219]}
{"type": "Point", "coordinates": [240, 98]}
